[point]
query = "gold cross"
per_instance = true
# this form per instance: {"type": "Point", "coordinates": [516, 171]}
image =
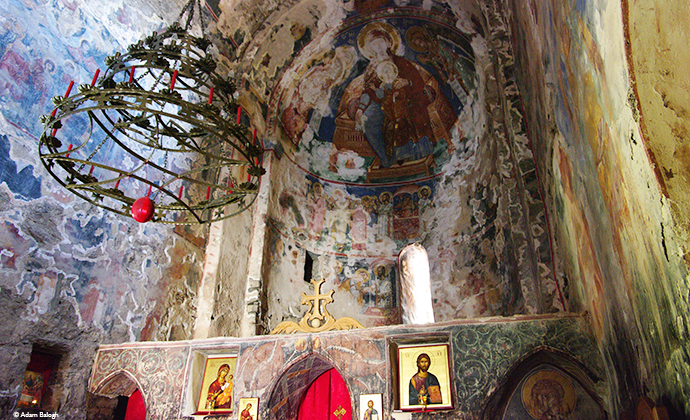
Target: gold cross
{"type": "Point", "coordinates": [317, 312]}
{"type": "Point", "coordinates": [340, 412]}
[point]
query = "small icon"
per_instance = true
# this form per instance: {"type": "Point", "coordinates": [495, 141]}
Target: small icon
{"type": "Point", "coordinates": [16, 414]}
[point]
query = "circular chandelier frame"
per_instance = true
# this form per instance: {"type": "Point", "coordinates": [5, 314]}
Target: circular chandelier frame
{"type": "Point", "coordinates": [159, 118]}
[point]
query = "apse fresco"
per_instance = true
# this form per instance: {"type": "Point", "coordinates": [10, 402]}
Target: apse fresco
{"type": "Point", "coordinates": [381, 105]}
{"type": "Point", "coordinates": [338, 218]}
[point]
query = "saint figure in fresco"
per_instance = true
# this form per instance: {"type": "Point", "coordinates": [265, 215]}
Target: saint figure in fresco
{"type": "Point", "coordinates": [246, 413]}
{"type": "Point", "coordinates": [424, 386]}
{"type": "Point", "coordinates": [311, 95]}
{"type": "Point", "coordinates": [547, 398]}
{"type": "Point", "coordinates": [371, 413]}
{"type": "Point", "coordinates": [395, 111]}
{"type": "Point", "coordinates": [220, 390]}
{"type": "Point", "coordinates": [547, 395]}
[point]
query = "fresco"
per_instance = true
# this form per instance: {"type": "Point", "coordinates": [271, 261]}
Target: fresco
{"type": "Point", "coordinates": [381, 104]}
{"type": "Point", "coordinates": [548, 393]}
{"type": "Point", "coordinates": [338, 218]}
{"type": "Point", "coordinates": [53, 247]}
{"type": "Point", "coordinates": [365, 288]}
{"type": "Point", "coordinates": [617, 238]}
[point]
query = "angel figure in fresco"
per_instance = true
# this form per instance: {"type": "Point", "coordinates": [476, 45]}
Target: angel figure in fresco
{"type": "Point", "coordinates": [396, 105]}
{"type": "Point", "coordinates": [424, 386]}
{"type": "Point", "coordinates": [220, 390]}
{"type": "Point", "coordinates": [311, 95]}
{"type": "Point", "coordinates": [446, 62]}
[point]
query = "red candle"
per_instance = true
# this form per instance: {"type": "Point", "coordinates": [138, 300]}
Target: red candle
{"type": "Point", "coordinates": [69, 88]}
{"type": "Point", "coordinates": [254, 136]}
{"type": "Point", "coordinates": [172, 82]}
{"type": "Point", "coordinates": [208, 193]}
{"type": "Point", "coordinates": [131, 75]}
{"type": "Point", "coordinates": [91, 170]}
{"type": "Point", "coordinates": [95, 77]}
{"type": "Point", "coordinates": [117, 184]}
{"type": "Point", "coordinates": [210, 96]}
{"type": "Point", "coordinates": [239, 114]}
{"type": "Point", "coordinates": [179, 195]}
{"type": "Point", "coordinates": [68, 149]}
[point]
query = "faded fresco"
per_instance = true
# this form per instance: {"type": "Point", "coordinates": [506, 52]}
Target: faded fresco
{"type": "Point", "coordinates": [381, 105]}
{"type": "Point", "coordinates": [617, 240]}
{"type": "Point", "coordinates": [389, 142]}
{"type": "Point", "coordinates": [69, 272]}
{"type": "Point", "coordinates": [547, 393]}
{"type": "Point", "coordinates": [365, 288]}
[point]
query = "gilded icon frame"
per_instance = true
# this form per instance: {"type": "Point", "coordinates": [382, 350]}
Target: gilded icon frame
{"type": "Point", "coordinates": [435, 392]}
{"type": "Point", "coordinates": [212, 373]}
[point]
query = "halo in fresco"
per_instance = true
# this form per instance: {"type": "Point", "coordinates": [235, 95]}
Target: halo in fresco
{"type": "Point", "coordinates": [379, 103]}
{"type": "Point", "coordinates": [548, 394]}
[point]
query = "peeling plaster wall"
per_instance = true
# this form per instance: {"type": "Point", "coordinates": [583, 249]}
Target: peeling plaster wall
{"type": "Point", "coordinates": [229, 297]}
{"type": "Point", "coordinates": [71, 275]}
{"type": "Point", "coordinates": [613, 228]}
{"type": "Point", "coordinates": [481, 217]}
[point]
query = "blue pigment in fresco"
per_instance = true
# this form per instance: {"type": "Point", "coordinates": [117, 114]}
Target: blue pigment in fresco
{"type": "Point", "coordinates": [22, 183]}
{"type": "Point", "coordinates": [383, 104]}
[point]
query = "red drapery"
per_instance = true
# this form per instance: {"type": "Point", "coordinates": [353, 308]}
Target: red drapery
{"type": "Point", "coordinates": [326, 399]}
{"type": "Point", "coordinates": [136, 410]}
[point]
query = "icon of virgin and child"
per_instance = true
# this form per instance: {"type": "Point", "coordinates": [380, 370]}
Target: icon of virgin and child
{"type": "Point", "coordinates": [396, 105]}
{"type": "Point", "coordinates": [220, 390]}
{"type": "Point", "coordinates": [424, 386]}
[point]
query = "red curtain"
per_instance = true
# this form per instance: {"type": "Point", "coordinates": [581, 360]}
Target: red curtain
{"type": "Point", "coordinates": [326, 399]}
{"type": "Point", "coordinates": [136, 410]}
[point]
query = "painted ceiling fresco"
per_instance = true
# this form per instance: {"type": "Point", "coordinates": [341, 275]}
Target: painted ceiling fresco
{"type": "Point", "coordinates": [378, 103]}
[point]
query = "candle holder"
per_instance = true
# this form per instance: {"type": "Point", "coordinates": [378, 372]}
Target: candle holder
{"type": "Point", "coordinates": [161, 118]}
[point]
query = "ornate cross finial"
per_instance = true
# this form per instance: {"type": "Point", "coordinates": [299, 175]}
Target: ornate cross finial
{"type": "Point", "coordinates": [318, 312]}
{"type": "Point", "coordinates": [317, 318]}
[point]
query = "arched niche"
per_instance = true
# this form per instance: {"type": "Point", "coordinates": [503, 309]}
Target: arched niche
{"type": "Point", "coordinates": [546, 373]}
{"type": "Point", "coordinates": [120, 383]}
{"type": "Point", "coordinates": [286, 397]}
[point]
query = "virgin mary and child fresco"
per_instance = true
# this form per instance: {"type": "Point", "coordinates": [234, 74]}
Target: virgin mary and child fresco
{"type": "Point", "coordinates": [393, 113]}
{"type": "Point", "coordinates": [395, 105]}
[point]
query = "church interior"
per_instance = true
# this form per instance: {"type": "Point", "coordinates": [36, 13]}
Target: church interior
{"type": "Point", "coordinates": [455, 209]}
